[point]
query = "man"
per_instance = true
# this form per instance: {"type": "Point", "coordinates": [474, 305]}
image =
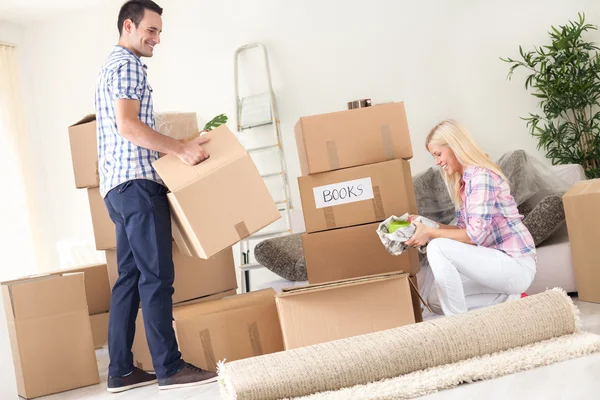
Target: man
{"type": "Point", "coordinates": [137, 203]}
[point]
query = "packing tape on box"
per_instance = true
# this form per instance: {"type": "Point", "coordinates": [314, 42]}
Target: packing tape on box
{"type": "Point", "coordinates": [242, 230]}
{"type": "Point", "coordinates": [207, 349]}
{"type": "Point", "coordinates": [332, 154]}
{"type": "Point", "coordinates": [378, 204]}
{"type": "Point", "coordinates": [254, 336]}
{"type": "Point", "coordinates": [329, 217]}
{"type": "Point", "coordinates": [387, 142]}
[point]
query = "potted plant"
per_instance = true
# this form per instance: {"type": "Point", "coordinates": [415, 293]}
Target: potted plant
{"type": "Point", "coordinates": [565, 76]}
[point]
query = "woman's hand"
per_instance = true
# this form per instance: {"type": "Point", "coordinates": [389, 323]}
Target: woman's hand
{"type": "Point", "coordinates": [411, 217]}
{"type": "Point", "coordinates": [421, 236]}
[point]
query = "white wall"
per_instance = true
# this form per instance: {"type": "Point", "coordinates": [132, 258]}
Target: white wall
{"type": "Point", "coordinates": [9, 33]}
{"type": "Point", "coordinates": [441, 58]}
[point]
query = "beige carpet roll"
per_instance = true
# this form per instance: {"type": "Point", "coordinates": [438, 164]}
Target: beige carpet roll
{"type": "Point", "coordinates": [382, 355]}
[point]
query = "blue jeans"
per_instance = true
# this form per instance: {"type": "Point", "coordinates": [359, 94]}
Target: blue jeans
{"type": "Point", "coordinates": [140, 211]}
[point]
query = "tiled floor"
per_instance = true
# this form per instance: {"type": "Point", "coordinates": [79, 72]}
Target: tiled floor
{"type": "Point", "coordinates": [574, 379]}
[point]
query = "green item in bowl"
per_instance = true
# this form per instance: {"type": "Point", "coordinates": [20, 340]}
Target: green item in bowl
{"type": "Point", "coordinates": [395, 225]}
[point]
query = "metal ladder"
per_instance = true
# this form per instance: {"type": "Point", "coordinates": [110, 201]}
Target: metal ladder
{"type": "Point", "coordinates": [254, 111]}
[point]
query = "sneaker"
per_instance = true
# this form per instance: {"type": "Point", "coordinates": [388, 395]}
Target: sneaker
{"type": "Point", "coordinates": [189, 375]}
{"type": "Point", "coordinates": [523, 295]}
{"type": "Point", "coordinates": [135, 379]}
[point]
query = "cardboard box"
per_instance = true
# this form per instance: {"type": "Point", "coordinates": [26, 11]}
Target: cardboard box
{"type": "Point", "coordinates": [234, 328]}
{"type": "Point", "coordinates": [583, 223]}
{"type": "Point", "coordinates": [84, 148]}
{"type": "Point", "coordinates": [336, 310]}
{"type": "Point", "coordinates": [99, 323]}
{"type": "Point", "coordinates": [84, 152]}
{"type": "Point", "coordinates": [50, 334]}
{"type": "Point", "coordinates": [97, 288]}
{"type": "Point", "coordinates": [105, 232]}
{"type": "Point", "coordinates": [351, 138]}
{"type": "Point", "coordinates": [141, 353]}
{"type": "Point", "coordinates": [194, 277]}
{"type": "Point", "coordinates": [177, 125]}
{"type": "Point", "coordinates": [358, 195]}
{"type": "Point", "coordinates": [220, 201]}
{"type": "Point", "coordinates": [352, 252]}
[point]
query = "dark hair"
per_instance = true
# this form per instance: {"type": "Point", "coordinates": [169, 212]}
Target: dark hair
{"type": "Point", "coordinates": [134, 10]}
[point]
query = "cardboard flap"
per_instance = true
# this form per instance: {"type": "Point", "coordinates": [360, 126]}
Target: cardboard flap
{"type": "Point", "coordinates": [344, 282]}
{"type": "Point", "coordinates": [88, 118]}
{"type": "Point", "coordinates": [97, 286]}
{"type": "Point", "coordinates": [234, 302]}
{"type": "Point", "coordinates": [223, 148]}
{"type": "Point", "coordinates": [45, 295]}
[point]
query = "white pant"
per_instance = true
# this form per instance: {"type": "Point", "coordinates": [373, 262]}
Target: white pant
{"type": "Point", "coordinates": [468, 277]}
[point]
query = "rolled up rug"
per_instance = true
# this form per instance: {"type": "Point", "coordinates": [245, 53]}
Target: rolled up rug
{"type": "Point", "coordinates": [359, 364]}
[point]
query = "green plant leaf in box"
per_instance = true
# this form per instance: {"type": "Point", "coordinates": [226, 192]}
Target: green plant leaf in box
{"type": "Point", "coordinates": [215, 122]}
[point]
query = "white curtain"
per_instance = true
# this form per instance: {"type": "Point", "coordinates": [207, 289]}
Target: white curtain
{"type": "Point", "coordinates": [17, 256]}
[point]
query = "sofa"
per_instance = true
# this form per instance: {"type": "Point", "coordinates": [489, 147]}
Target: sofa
{"type": "Point", "coordinates": [284, 256]}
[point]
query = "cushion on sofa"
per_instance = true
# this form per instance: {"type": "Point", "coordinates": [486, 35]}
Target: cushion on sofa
{"type": "Point", "coordinates": [545, 218]}
{"type": "Point", "coordinates": [283, 256]}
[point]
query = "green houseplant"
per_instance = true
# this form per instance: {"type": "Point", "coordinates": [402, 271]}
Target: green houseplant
{"type": "Point", "coordinates": [565, 76]}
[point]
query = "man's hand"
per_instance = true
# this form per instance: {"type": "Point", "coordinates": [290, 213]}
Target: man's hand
{"type": "Point", "coordinates": [421, 236]}
{"type": "Point", "coordinates": [192, 152]}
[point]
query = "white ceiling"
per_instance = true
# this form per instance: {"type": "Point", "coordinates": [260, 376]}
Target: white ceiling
{"type": "Point", "coordinates": [27, 11]}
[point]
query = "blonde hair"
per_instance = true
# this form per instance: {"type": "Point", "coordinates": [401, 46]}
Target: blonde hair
{"type": "Point", "coordinates": [454, 135]}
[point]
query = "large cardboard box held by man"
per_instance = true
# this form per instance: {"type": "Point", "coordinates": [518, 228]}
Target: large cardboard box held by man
{"type": "Point", "coordinates": [583, 223]}
{"type": "Point", "coordinates": [50, 334]}
{"type": "Point", "coordinates": [194, 277]}
{"type": "Point", "coordinates": [84, 148]}
{"type": "Point", "coordinates": [352, 252]}
{"type": "Point", "coordinates": [336, 310]}
{"type": "Point", "coordinates": [351, 138]}
{"type": "Point", "coordinates": [220, 201]}
{"type": "Point", "coordinates": [358, 195]}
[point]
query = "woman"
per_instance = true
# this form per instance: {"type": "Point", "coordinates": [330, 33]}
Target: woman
{"type": "Point", "coordinates": [489, 257]}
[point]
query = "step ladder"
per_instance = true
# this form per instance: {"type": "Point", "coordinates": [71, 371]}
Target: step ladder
{"type": "Point", "coordinates": [258, 112]}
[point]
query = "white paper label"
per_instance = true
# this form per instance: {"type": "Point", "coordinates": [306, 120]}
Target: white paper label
{"type": "Point", "coordinates": [343, 193]}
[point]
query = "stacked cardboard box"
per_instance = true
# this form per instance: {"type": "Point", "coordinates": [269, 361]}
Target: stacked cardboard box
{"type": "Point", "coordinates": [50, 334]}
{"type": "Point", "coordinates": [355, 174]}
{"type": "Point", "coordinates": [583, 223]}
{"type": "Point", "coordinates": [218, 327]}
{"type": "Point", "coordinates": [335, 310]}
